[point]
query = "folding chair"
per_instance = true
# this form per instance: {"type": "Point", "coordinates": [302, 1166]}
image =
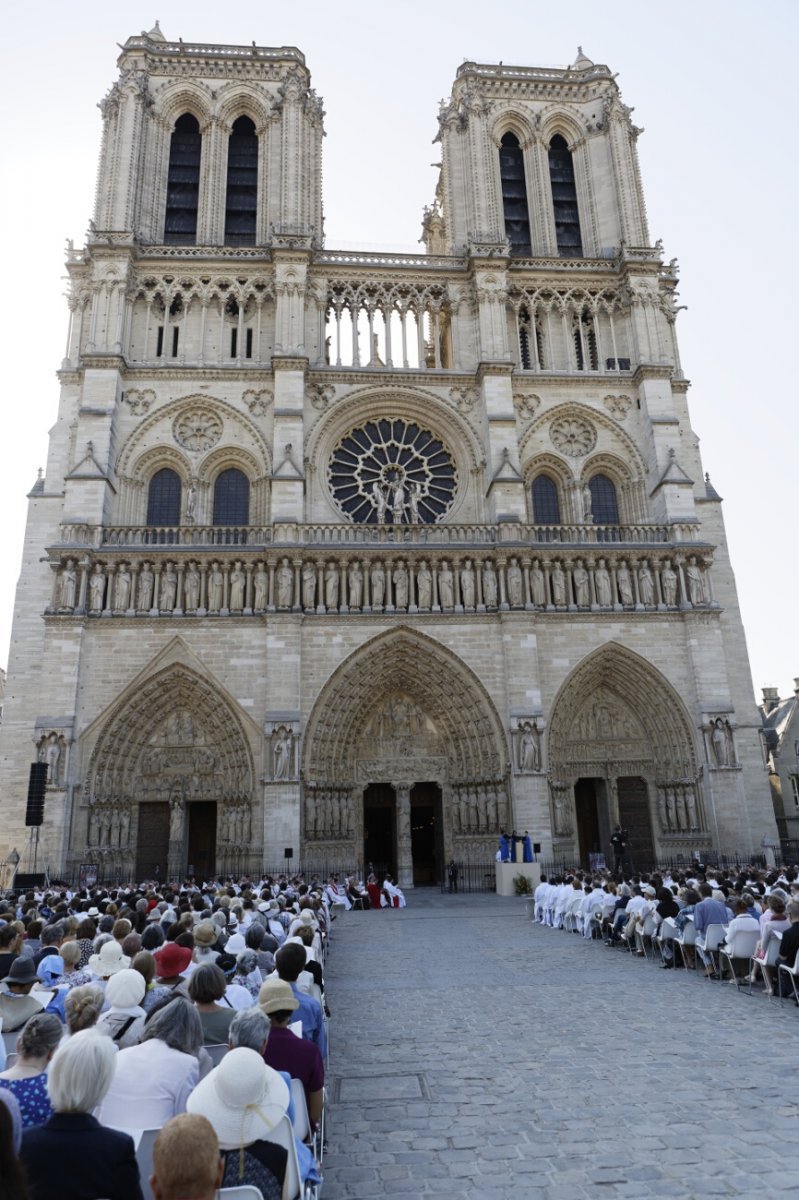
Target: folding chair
{"type": "Point", "coordinates": [243, 1191]}
{"type": "Point", "coordinates": [646, 933]}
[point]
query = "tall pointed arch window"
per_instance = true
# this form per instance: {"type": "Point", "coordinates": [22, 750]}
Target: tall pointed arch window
{"type": "Point", "coordinates": [564, 199]}
{"type": "Point", "coordinates": [183, 182]}
{"type": "Point", "coordinates": [163, 498]}
{"type": "Point", "coordinates": [546, 505]}
{"type": "Point", "coordinates": [604, 501]}
{"type": "Point", "coordinates": [231, 498]}
{"type": "Point", "coordinates": [242, 184]}
{"type": "Point", "coordinates": [514, 196]}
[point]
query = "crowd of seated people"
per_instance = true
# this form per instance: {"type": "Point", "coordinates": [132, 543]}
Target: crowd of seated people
{"type": "Point", "coordinates": [741, 924]}
{"type": "Point", "coordinates": [126, 1009]}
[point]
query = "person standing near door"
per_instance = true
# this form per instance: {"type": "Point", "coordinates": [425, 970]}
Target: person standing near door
{"type": "Point", "coordinates": [618, 840]}
{"type": "Point", "coordinates": [452, 875]}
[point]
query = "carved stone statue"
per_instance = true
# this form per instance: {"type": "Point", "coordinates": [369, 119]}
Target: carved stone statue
{"type": "Point", "coordinates": [96, 589]}
{"type": "Point", "coordinates": [284, 580]}
{"type": "Point", "coordinates": [604, 594]}
{"type": "Point", "coordinates": [467, 584]}
{"type": "Point", "coordinates": [668, 581]}
{"type": "Point", "coordinates": [260, 587]}
{"type": "Point", "coordinates": [282, 751]}
{"type": "Point", "coordinates": [175, 817]}
{"type": "Point", "coordinates": [124, 826]}
{"type": "Point", "coordinates": [646, 587]}
{"type": "Point", "coordinates": [50, 752]}
{"type": "Point", "coordinates": [515, 589]}
{"type": "Point", "coordinates": [380, 501]}
{"type": "Point", "coordinates": [624, 580]}
{"type": "Point", "coordinates": [237, 581]}
{"type": "Point", "coordinates": [696, 582]}
{"type": "Point", "coordinates": [587, 502]}
{"type": "Point", "coordinates": [331, 586]}
{"type": "Point", "coordinates": [216, 583]}
{"type": "Point", "coordinates": [355, 584]}
{"type": "Point", "coordinates": [308, 585]}
{"type": "Point", "coordinates": [378, 582]}
{"type": "Point", "coordinates": [558, 578]}
{"type": "Point", "coordinates": [582, 590]}
{"type": "Point", "coordinates": [400, 577]}
{"type": "Point", "coordinates": [169, 588]}
{"type": "Point", "coordinates": [489, 585]}
{"type": "Point", "coordinates": [538, 585]}
{"type": "Point", "coordinates": [424, 585]}
{"type": "Point", "coordinates": [446, 591]}
{"type": "Point", "coordinates": [191, 500]}
{"type": "Point", "coordinates": [414, 496]}
{"type": "Point", "coordinates": [719, 741]}
{"type": "Point", "coordinates": [68, 583]}
{"type": "Point", "coordinates": [398, 502]}
{"type": "Point", "coordinates": [122, 591]}
{"type": "Point", "coordinates": [528, 748]}
{"type": "Point", "coordinates": [663, 816]}
{"type": "Point", "coordinates": [191, 588]}
{"type": "Point", "coordinates": [146, 584]}
{"type": "Point", "coordinates": [691, 805]}
{"type": "Point", "coordinates": [94, 826]}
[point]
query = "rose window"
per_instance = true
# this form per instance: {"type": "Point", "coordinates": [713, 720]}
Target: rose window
{"type": "Point", "coordinates": [392, 472]}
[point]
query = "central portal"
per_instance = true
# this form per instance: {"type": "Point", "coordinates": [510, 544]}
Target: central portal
{"type": "Point", "coordinates": [426, 834]}
{"type": "Point", "coordinates": [201, 842]}
{"type": "Point", "coordinates": [379, 829]}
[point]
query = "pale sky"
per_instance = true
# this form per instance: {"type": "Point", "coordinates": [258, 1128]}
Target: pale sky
{"type": "Point", "coordinates": [712, 83]}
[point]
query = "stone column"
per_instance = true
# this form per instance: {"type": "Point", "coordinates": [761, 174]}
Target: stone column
{"type": "Point", "coordinates": [404, 847]}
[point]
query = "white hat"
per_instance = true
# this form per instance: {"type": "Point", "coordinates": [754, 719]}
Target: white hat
{"type": "Point", "coordinates": [125, 989]}
{"type": "Point", "coordinates": [109, 960]}
{"type": "Point", "coordinates": [243, 1098]}
{"type": "Point", "coordinates": [235, 943]}
{"type": "Point", "coordinates": [307, 917]}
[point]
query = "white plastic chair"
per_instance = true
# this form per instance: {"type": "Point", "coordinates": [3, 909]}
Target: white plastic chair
{"type": "Point", "coordinates": [283, 1135]}
{"type": "Point", "coordinates": [242, 1191]}
{"type": "Point", "coordinates": [144, 1158]}
{"type": "Point", "coordinates": [302, 1122]}
{"type": "Point", "coordinates": [687, 938]}
{"type": "Point", "coordinates": [708, 945]}
{"type": "Point", "coordinates": [783, 969]}
{"type": "Point", "coordinates": [667, 932]}
{"type": "Point", "coordinates": [772, 953]}
{"type": "Point", "coordinates": [217, 1053]}
{"type": "Point", "coordinates": [646, 932]}
{"type": "Point", "coordinates": [744, 945]}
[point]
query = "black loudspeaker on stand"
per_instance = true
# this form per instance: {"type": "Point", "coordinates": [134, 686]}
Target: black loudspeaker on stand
{"type": "Point", "coordinates": [37, 784]}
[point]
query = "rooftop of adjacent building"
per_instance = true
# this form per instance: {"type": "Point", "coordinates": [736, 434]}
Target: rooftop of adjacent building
{"type": "Point", "coordinates": [778, 715]}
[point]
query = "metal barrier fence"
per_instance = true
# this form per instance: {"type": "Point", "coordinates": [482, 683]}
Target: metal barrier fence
{"type": "Point", "coordinates": [471, 877]}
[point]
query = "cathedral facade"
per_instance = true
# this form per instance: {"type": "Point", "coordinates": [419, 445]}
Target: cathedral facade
{"type": "Point", "coordinates": [370, 556]}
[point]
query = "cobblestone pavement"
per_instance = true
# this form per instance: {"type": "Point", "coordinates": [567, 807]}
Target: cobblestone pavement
{"type": "Point", "coordinates": [474, 1054]}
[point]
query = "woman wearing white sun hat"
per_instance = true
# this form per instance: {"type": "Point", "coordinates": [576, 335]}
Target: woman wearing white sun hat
{"type": "Point", "coordinates": [244, 1100]}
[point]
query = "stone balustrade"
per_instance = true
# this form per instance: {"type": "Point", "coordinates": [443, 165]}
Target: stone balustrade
{"type": "Point", "coordinates": [238, 579]}
{"type": "Point", "coordinates": [294, 533]}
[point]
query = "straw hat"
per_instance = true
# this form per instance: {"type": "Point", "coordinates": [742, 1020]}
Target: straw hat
{"type": "Point", "coordinates": [276, 996]}
{"type": "Point", "coordinates": [243, 1098]}
{"type": "Point", "coordinates": [205, 934]}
